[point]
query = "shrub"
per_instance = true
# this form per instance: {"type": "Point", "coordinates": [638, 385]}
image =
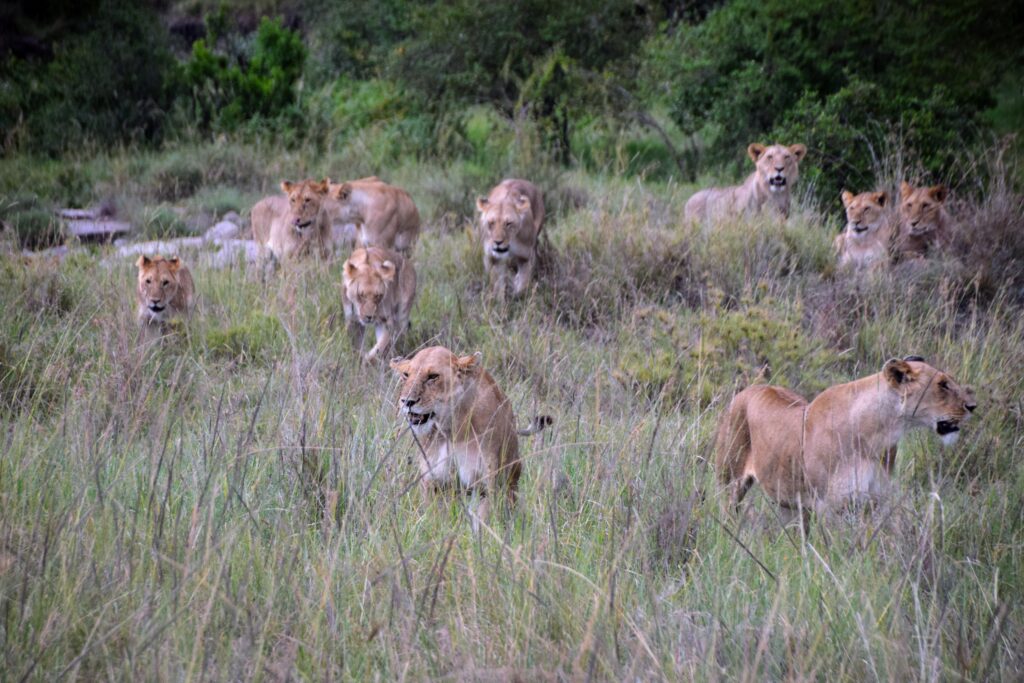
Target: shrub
{"type": "Point", "coordinates": [175, 177]}
{"type": "Point", "coordinates": [258, 337]}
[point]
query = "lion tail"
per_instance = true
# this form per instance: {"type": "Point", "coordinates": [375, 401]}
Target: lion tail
{"type": "Point", "coordinates": [537, 424]}
{"type": "Point", "coordinates": [732, 445]}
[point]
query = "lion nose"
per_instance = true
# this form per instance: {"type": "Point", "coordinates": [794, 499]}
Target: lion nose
{"type": "Point", "coordinates": [970, 407]}
{"type": "Point", "coordinates": [409, 401]}
{"type": "Point", "coordinates": [780, 169]}
{"type": "Point", "coordinates": [498, 242]}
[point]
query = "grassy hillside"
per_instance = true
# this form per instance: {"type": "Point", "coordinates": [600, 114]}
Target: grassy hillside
{"type": "Point", "coordinates": [240, 501]}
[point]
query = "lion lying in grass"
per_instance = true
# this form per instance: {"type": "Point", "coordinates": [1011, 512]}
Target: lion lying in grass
{"type": "Point", "coordinates": [866, 242]}
{"type": "Point", "coordinates": [776, 170]}
{"type": "Point", "coordinates": [840, 447]}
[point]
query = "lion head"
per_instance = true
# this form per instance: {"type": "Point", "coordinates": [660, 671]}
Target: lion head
{"type": "Point", "coordinates": [921, 208]}
{"type": "Point", "coordinates": [777, 165]}
{"type": "Point", "coordinates": [500, 221]}
{"type": "Point", "coordinates": [865, 212]}
{"type": "Point", "coordinates": [434, 382]}
{"type": "Point", "coordinates": [929, 397]}
{"type": "Point", "coordinates": [159, 281]}
{"type": "Point", "coordinates": [305, 202]}
{"type": "Point", "coordinates": [369, 273]}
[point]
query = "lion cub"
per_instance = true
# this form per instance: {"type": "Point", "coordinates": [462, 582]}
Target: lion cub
{"type": "Point", "coordinates": [379, 289]}
{"type": "Point", "coordinates": [463, 422]}
{"type": "Point", "coordinates": [924, 224]}
{"type": "Point", "coordinates": [840, 447]}
{"type": "Point", "coordinates": [164, 291]}
{"type": "Point", "coordinates": [295, 225]}
{"type": "Point", "coordinates": [776, 168]}
{"type": "Point", "coordinates": [384, 215]}
{"type": "Point", "coordinates": [866, 241]}
{"type": "Point", "coordinates": [511, 218]}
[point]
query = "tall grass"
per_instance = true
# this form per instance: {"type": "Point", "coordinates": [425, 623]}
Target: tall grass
{"type": "Point", "coordinates": [239, 502]}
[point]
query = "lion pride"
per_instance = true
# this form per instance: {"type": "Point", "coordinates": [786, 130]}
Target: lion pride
{"type": "Point", "coordinates": [840, 447]}
{"type": "Point", "coordinates": [463, 423]}
{"type": "Point", "coordinates": [511, 218]}
{"type": "Point", "coordinates": [776, 168]}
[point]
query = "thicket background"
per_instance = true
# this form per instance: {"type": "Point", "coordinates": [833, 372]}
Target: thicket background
{"type": "Point", "coordinates": [239, 502]}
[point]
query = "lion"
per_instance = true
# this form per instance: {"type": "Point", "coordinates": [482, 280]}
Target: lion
{"type": "Point", "coordinates": [511, 219]}
{"type": "Point", "coordinates": [379, 288]}
{"type": "Point", "coordinates": [295, 225]}
{"type": "Point", "coordinates": [164, 291]}
{"type": "Point", "coordinates": [840, 448]}
{"type": "Point", "coordinates": [924, 225]}
{"type": "Point", "coordinates": [384, 216]}
{"type": "Point", "coordinates": [776, 169]}
{"type": "Point", "coordinates": [866, 242]}
{"type": "Point", "coordinates": [461, 421]}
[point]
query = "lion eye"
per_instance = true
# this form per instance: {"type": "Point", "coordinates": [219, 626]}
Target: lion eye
{"type": "Point", "coordinates": [149, 280]}
{"type": "Point", "coordinates": [944, 385]}
{"type": "Point", "coordinates": [405, 375]}
{"type": "Point", "coordinates": [509, 224]}
{"type": "Point", "coordinates": [431, 377]}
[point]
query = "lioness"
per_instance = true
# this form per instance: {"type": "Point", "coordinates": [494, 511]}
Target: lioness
{"type": "Point", "coordinates": [924, 224]}
{"type": "Point", "coordinates": [164, 291]}
{"type": "Point", "coordinates": [295, 225]}
{"type": "Point", "coordinates": [511, 218]}
{"type": "Point", "coordinates": [866, 241]}
{"type": "Point", "coordinates": [379, 289]}
{"type": "Point", "coordinates": [461, 418]}
{"type": "Point", "coordinates": [776, 169]}
{"type": "Point", "coordinates": [840, 447]}
{"type": "Point", "coordinates": [384, 215]}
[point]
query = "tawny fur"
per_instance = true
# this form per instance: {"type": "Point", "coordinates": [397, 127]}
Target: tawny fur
{"type": "Point", "coordinates": [378, 291]}
{"type": "Point", "coordinates": [463, 422]}
{"type": "Point", "coordinates": [293, 226]}
{"type": "Point", "coordinates": [164, 291]}
{"type": "Point", "coordinates": [768, 187]}
{"type": "Point", "coordinates": [866, 241]}
{"type": "Point", "coordinates": [382, 215]}
{"type": "Point", "coordinates": [839, 448]}
{"type": "Point", "coordinates": [510, 222]}
{"type": "Point", "coordinates": [924, 226]}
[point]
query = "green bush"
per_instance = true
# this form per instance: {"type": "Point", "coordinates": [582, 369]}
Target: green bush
{"type": "Point", "coordinates": [175, 177]}
{"type": "Point", "coordinates": [108, 82]}
{"type": "Point", "coordinates": [227, 93]}
{"type": "Point", "coordinates": [257, 338]}
{"type": "Point", "coordinates": [163, 222]}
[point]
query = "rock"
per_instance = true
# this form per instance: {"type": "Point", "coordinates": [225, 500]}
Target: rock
{"type": "Point", "coordinates": [223, 230]}
{"type": "Point", "coordinates": [230, 253]}
{"type": "Point", "coordinates": [233, 217]}
{"type": "Point", "coordinates": [58, 253]}
{"type": "Point", "coordinates": [162, 247]}
{"type": "Point", "coordinates": [97, 230]}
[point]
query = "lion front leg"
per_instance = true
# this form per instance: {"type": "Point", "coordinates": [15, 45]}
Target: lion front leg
{"type": "Point", "coordinates": [523, 276]}
{"type": "Point", "coordinates": [496, 273]}
{"type": "Point", "coordinates": [383, 343]}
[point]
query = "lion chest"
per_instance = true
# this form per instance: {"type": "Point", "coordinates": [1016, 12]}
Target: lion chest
{"type": "Point", "coordinates": [464, 458]}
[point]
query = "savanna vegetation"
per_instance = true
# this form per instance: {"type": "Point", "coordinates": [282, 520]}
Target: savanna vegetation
{"type": "Point", "coordinates": [239, 501]}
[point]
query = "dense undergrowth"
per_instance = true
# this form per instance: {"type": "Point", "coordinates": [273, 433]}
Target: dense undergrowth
{"type": "Point", "coordinates": [239, 501]}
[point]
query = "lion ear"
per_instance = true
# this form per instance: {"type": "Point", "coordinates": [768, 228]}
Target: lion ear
{"type": "Point", "coordinates": [799, 151]}
{"type": "Point", "coordinates": [905, 189]}
{"type": "Point", "coordinates": [342, 191]}
{"type": "Point", "coordinates": [469, 365]}
{"type": "Point", "coordinates": [482, 204]}
{"type": "Point", "coordinates": [897, 372]}
{"type": "Point", "coordinates": [522, 204]}
{"type": "Point", "coordinates": [847, 197]}
{"type": "Point", "coordinates": [287, 186]}
{"type": "Point", "coordinates": [881, 198]}
{"type": "Point", "coordinates": [143, 261]}
{"type": "Point", "coordinates": [322, 187]}
{"type": "Point", "coordinates": [350, 271]}
{"type": "Point", "coordinates": [938, 193]}
{"type": "Point", "coordinates": [399, 365]}
{"type": "Point", "coordinates": [755, 150]}
{"type": "Point", "coordinates": [174, 263]}
{"type": "Point", "coordinates": [387, 270]}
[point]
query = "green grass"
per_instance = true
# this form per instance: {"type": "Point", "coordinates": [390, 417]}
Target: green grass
{"type": "Point", "coordinates": [240, 502]}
